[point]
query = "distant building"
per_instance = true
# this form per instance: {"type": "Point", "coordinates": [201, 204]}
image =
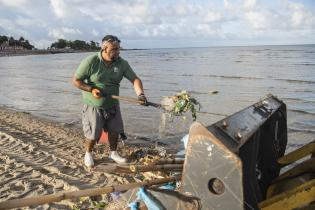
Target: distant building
{"type": "Point", "coordinates": [6, 46]}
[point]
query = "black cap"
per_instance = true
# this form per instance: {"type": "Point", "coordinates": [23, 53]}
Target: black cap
{"type": "Point", "coordinates": [110, 38]}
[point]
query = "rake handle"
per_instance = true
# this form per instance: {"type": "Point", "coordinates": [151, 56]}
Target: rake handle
{"type": "Point", "coordinates": [135, 100]}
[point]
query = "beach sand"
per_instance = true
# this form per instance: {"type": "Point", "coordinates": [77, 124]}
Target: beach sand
{"type": "Point", "coordinates": [39, 157]}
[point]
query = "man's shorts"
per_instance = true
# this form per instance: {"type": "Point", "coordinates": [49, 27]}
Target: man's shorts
{"type": "Point", "coordinates": [94, 120]}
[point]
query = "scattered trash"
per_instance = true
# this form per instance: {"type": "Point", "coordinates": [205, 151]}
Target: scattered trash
{"type": "Point", "coordinates": [134, 205]}
{"type": "Point", "coordinates": [213, 92]}
{"type": "Point", "coordinates": [161, 151]}
{"type": "Point", "coordinates": [115, 195]}
{"type": "Point", "coordinates": [169, 186]}
{"type": "Point", "coordinates": [151, 202]}
{"type": "Point", "coordinates": [182, 152]}
{"type": "Point", "coordinates": [185, 140]}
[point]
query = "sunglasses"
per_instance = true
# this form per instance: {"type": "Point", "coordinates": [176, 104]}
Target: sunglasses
{"type": "Point", "coordinates": [112, 40]}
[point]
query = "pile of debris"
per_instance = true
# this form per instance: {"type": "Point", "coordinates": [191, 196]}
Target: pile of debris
{"type": "Point", "coordinates": [180, 104]}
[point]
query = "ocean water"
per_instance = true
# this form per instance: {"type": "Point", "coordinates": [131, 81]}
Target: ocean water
{"type": "Point", "coordinates": [41, 85]}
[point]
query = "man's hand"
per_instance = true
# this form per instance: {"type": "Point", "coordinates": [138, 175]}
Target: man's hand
{"type": "Point", "coordinates": [96, 93]}
{"type": "Point", "coordinates": [143, 99]}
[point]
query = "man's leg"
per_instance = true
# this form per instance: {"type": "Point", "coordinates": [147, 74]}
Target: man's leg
{"type": "Point", "coordinates": [89, 145]}
{"type": "Point", "coordinates": [115, 126]}
{"type": "Point", "coordinates": [113, 141]}
{"type": "Point", "coordinates": [93, 122]}
{"type": "Point", "coordinates": [88, 158]}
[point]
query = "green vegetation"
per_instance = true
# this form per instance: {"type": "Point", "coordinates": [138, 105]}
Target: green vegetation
{"type": "Point", "coordinates": [21, 42]}
{"type": "Point", "coordinates": [88, 203]}
{"type": "Point", "coordinates": [60, 44]}
{"type": "Point", "coordinates": [75, 45]}
{"type": "Point", "coordinates": [184, 102]}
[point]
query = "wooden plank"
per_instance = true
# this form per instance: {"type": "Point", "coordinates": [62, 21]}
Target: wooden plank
{"type": "Point", "coordinates": [297, 154]}
{"type": "Point", "coordinates": [295, 198]}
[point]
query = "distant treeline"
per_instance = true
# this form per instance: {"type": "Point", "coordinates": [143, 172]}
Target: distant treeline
{"type": "Point", "coordinates": [76, 45]}
{"type": "Point", "coordinates": [60, 44]}
{"type": "Point", "coordinates": [15, 43]}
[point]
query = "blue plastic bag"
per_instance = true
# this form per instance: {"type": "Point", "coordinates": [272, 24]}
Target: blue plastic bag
{"type": "Point", "coordinates": [150, 202]}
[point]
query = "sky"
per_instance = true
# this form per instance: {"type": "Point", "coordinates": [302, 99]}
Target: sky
{"type": "Point", "coordinates": [161, 23]}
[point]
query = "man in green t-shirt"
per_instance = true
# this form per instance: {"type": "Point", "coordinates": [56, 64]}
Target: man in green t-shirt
{"type": "Point", "coordinates": [99, 76]}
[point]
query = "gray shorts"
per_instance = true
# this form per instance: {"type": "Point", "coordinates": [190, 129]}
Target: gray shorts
{"type": "Point", "coordinates": [94, 120]}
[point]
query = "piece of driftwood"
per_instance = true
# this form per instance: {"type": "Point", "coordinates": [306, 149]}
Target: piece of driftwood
{"type": "Point", "coordinates": [169, 161]}
{"type": "Point", "coordinates": [112, 168]}
{"type": "Point", "coordinates": [156, 166]}
{"type": "Point", "coordinates": [164, 167]}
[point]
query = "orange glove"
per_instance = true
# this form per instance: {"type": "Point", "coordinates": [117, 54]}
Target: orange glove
{"type": "Point", "coordinates": [96, 93]}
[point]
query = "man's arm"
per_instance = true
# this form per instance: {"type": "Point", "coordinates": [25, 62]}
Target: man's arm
{"type": "Point", "coordinates": [83, 86]}
{"type": "Point", "coordinates": [80, 84]}
{"type": "Point", "coordinates": [137, 85]}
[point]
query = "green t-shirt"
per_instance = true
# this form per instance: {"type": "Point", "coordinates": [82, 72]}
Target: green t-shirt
{"type": "Point", "coordinates": [95, 72]}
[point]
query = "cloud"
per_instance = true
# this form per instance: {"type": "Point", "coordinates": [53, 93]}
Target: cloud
{"type": "Point", "coordinates": [260, 18]}
{"type": "Point", "coordinates": [141, 18]}
{"type": "Point", "coordinates": [14, 4]}
{"type": "Point", "coordinates": [249, 4]}
{"type": "Point", "coordinates": [12, 29]}
{"type": "Point", "coordinates": [63, 32]}
{"type": "Point", "coordinates": [42, 43]}
{"type": "Point", "coordinates": [27, 22]}
{"type": "Point", "coordinates": [115, 12]}
{"type": "Point", "coordinates": [30, 8]}
{"type": "Point", "coordinates": [157, 20]}
{"type": "Point", "coordinates": [95, 32]}
{"type": "Point", "coordinates": [59, 8]}
{"type": "Point", "coordinates": [213, 17]}
{"type": "Point", "coordinates": [300, 17]}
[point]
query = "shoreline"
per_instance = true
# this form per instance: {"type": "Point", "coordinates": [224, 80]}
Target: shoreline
{"type": "Point", "coordinates": [40, 157]}
{"type": "Point", "coordinates": [8, 53]}
{"type": "Point", "coordinates": [5, 53]}
{"type": "Point", "coordinates": [25, 52]}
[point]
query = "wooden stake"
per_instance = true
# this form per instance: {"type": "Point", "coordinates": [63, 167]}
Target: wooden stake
{"type": "Point", "coordinates": [168, 167]}
{"type": "Point", "coordinates": [169, 161]}
{"type": "Point", "coordinates": [39, 200]}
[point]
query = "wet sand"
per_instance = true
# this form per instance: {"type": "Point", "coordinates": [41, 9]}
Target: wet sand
{"type": "Point", "coordinates": [39, 157]}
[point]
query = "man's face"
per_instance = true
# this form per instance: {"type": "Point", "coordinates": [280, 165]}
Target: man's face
{"type": "Point", "coordinates": [112, 51]}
